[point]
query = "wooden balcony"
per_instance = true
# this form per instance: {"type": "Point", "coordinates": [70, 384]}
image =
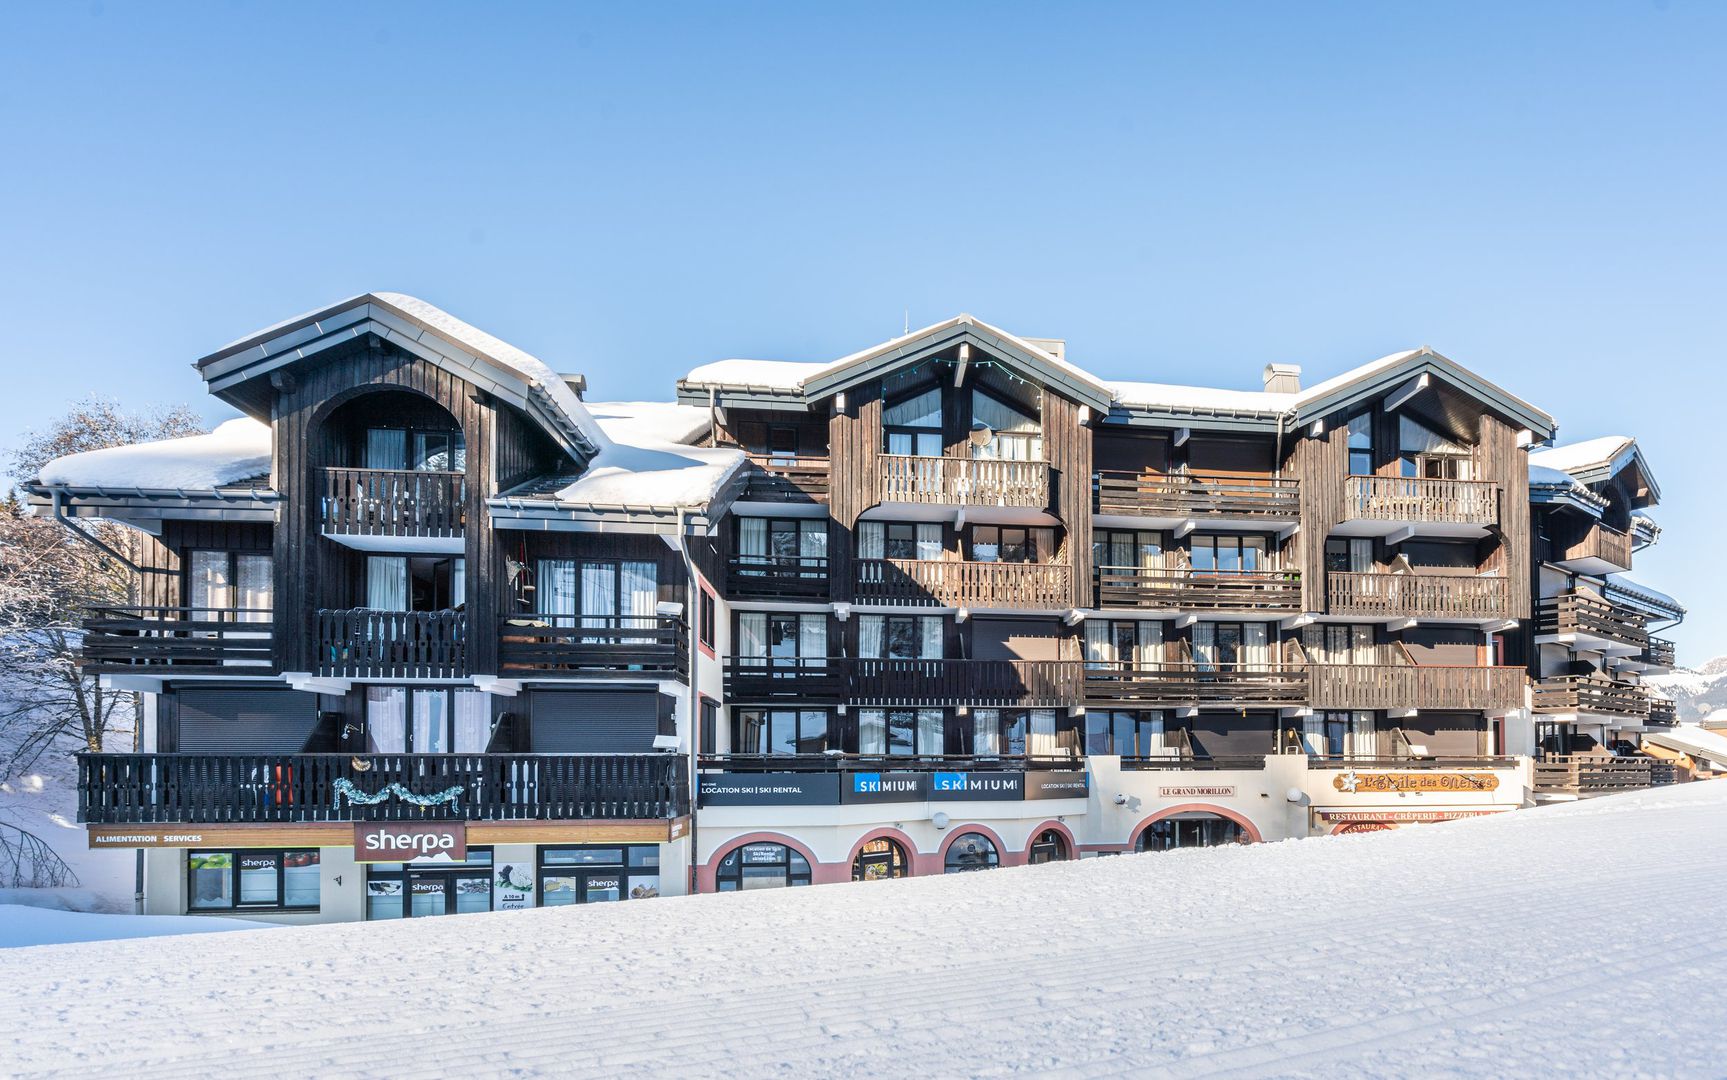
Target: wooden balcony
{"type": "Point", "coordinates": [215, 641]}
{"type": "Point", "coordinates": [360, 643]}
{"type": "Point", "coordinates": [1418, 596]}
{"type": "Point", "coordinates": [775, 478]}
{"type": "Point", "coordinates": [763, 680]}
{"type": "Point", "coordinates": [1184, 762]}
{"type": "Point", "coordinates": [1591, 695]}
{"type": "Point", "coordinates": [394, 502]}
{"type": "Point", "coordinates": [1121, 685]}
{"type": "Point", "coordinates": [1399, 500]}
{"type": "Point", "coordinates": [799, 577]}
{"type": "Point", "coordinates": [1663, 712]}
{"type": "Point", "coordinates": [197, 789]}
{"type": "Point", "coordinates": [981, 683]}
{"type": "Point", "coordinates": [1194, 590]}
{"type": "Point", "coordinates": [1658, 653]}
{"type": "Point", "coordinates": [1601, 549]}
{"type": "Point", "coordinates": [1586, 620]}
{"type": "Point", "coordinates": [955, 584]}
{"type": "Point", "coordinates": [947, 481]}
{"type": "Point", "coordinates": [589, 646]}
{"type": "Point", "coordinates": [1587, 775]}
{"type": "Point", "coordinates": [1417, 686]}
{"type": "Point", "coordinates": [1196, 495]}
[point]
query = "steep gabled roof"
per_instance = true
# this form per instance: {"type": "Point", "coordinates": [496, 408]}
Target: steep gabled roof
{"type": "Point", "coordinates": [766, 383]}
{"type": "Point", "coordinates": [1596, 461]}
{"type": "Point", "coordinates": [1390, 373]}
{"type": "Point", "coordinates": [519, 378]}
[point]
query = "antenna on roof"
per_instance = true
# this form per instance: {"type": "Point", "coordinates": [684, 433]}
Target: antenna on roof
{"type": "Point", "coordinates": [907, 328]}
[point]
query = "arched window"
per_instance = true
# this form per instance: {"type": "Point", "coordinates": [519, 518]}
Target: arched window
{"type": "Point", "coordinates": [880, 860]}
{"type": "Point", "coordinates": [762, 866]}
{"type": "Point", "coordinates": [1189, 830]}
{"type": "Point", "coordinates": [970, 851]}
{"type": "Point", "coordinates": [1049, 846]}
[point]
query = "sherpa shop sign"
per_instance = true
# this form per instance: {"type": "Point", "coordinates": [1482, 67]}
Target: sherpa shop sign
{"type": "Point", "coordinates": [394, 841]}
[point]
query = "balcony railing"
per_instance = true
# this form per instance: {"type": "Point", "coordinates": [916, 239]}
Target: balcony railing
{"type": "Point", "coordinates": [783, 479]}
{"type": "Point", "coordinates": [1122, 684]}
{"type": "Point", "coordinates": [1210, 590]}
{"type": "Point", "coordinates": [394, 502]}
{"type": "Point", "coordinates": [799, 576]}
{"type": "Point", "coordinates": [125, 789]}
{"type": "Point", "coordinates": [365, 643]}
{"type": "Point", "coordinates": [1240, 762]}
{"type": "Point", "coordinates": [589, 645]}
{"type": "Point", "coordinates": [964, 481]}
{"type": "Point", "coordinates": [1417, 686]}
{"type": "Point", "coordinates": [177, 639]}
{"type": "Point", "coordinates": [1199, 495]}
{"type": "Point", "coordinates": [1599, 544]}
{"type": "Point", "coordinates": [1581, 613]}
{"type": "Point", "coordinates": [773, 679]}
{"type": "Point", "coordinates": [1586, 775]}
{"type": "Point", "coordinates": [983, 683]}
{"type": "Point", "coordinates": [1590, 694]}
{"type": "Point", "coordinates": [777, 763]}
{"type": "Point", "coordinates": [1418, 596]}
{"type": "Point", "coordinates": [1421, 501]}
{"type": "Point", "coordinates": [950, 583]}
{"type": "Point", "coordinates": [1663, 712]}
{"type": "Point", "coordinates": [1658, 653]}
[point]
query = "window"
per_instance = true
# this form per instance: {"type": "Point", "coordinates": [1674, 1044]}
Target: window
{"type": "Point", "coordinates": [1424, 453]}
{"type": "Point", "coordinates": [1347, 643]}
{"type": "Point", "coordinates": [1015, 436]}
{"type": "Point", "coordinates": [430, 888]}
{"type": "Point", "coordinates": [427, 720]}
{"type": "Point", "coordinates": [1191, 830]}
{"type": "Point", "coordinates": [1133, 645]}
{"type": "Point", "coordinates": [1361, 445]}
{"type": "Point", "coordinates": [880, 860]}
{"type": "Point", "coordinates": [1229, 554]}
{"type": "Point", "coordinates": [901, 732]}
{"type": "Point", "coordinates": [779, 731]}
{"type": "Point", "coordinates": [252, 880]}
{"type": "Point", "coordinates": [782, 547]}
{"type": "Point", "coordinates": [1016, 732]}
{"type": "Point", "coordinates": [710, 729]}
{"type": "Point", "coordinates": [783, 443]}
{"type": "Point", "coordinates": [991, 543]}
{"type": "Point", "coordinates": [761, 866]}
{"type": "Point", "coordinates": [415, 583]}
{"type": "Point", "coordinates": [899, 540]}
{"type": "Point", "coordinates": [1340, 734]}
{"type": "Point", "coordinates": [595, 875]}
{"type": "Point", "coordinates": [705, 605]}
{"type": "Point", "coordinates": [1229, 646]}
{"type": "Point", "coordinates": [1049, 846]}
{"type": "Point", "coordinates": [1349, 556]}
{"type": "Point", "coordinates": [419, 451]}
{"type": "Point", "coordinates": [599, 594]}
{"type": "Point", "coordinates": [912, 426]}
{"type": "Point", "coordinates": [1120, 549]}
{"type": "Point", "coordinates": [900, 637]}
{"type": "Point", "coordinates": [970, 851]}
{"type": "Point", "coordinates": [1128, 733]}
{"type": "Point", "coordinates": [782, 644]}
{"type": "Point", "coordinates": [221, 581]}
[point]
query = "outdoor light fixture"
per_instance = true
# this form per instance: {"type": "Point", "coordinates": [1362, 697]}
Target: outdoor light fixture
{"type": "Point", "coordinates": [939, 820]}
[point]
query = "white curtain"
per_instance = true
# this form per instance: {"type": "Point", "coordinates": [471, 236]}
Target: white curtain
{"type": "Point", "coordinates": [1150, 651]}
{"type": "Point", "coordinates": [870, 636]}
{"type": "Point", "coordinates": [557, 591]}
{"type": "Point", "coordinates": [872, 540]}
{"type": "Point", "coordinates": [986, 731]}
{"type": "Point", "coordinates": [929, 731]}
{"type": "Point", "coordinates": [431, 722]}
{"type": "Point", "coordinates": [1416, 438]}
{"type": "Point", "coordinates": [929, 540]}
{"type": "Point", "coordinates": [1255, 646]}
{"type": "Point", "coordinates": [872, 731]}
{"type": "Point", "coordinates": [812, 635]}
{"type": "Point", "coordinates": [931, 645]}
{"type": "Point", "coordinates": [1362, 738]}
{"type": "Point", "coordinates": [923, 410]}
{"type": "Point", "coordinates": [472, 713]}
{"type": "Point", "coordinates": [387, 582]}
{"type": "Point", "coordinates": [599, 593]}
{"type": "Point", "coordinates": [641, 591]}
{"type": "Point", "coordinates": [1099, 648]}
{"type": "Point", "coordinates": [1153, 737]}
{"type": "Point", "coordinates": [386, 719]}
{"type": "Point", "coordinates": [1019, 437]}
{"type": "Point", "coordinates": [1205, 645]}
{"type": "Point", "coordinates": [255, 588]}
{"type": "Point", "coordinates": [752, 633]}
{"type": "Point", "coordinates": [752, 538]}
{"type": "Point", "coordinates": [813, 540]}
{"type": "Point", "coordinates": [1313, 734]}
{"type": "Point", "coordinates": [1042, 740]}
{"type": "Point", "coordinates": [386, 448]}
{"type": "Point", "coordinates": [1360, 555]}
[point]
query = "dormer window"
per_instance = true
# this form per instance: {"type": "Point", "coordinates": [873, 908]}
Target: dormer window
{"type": "Point", "coordinates": [912, 426]}
{"type": "Point", "coordinates": [1424, 453]}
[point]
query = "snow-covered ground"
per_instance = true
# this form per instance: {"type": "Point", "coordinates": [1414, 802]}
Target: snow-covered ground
{"type": "Point", "coordinates": [1571, 940]}
{"type": "Point", "coordinates": [22, 926]}
{"type": "Point", "coordinates": [43, 800]}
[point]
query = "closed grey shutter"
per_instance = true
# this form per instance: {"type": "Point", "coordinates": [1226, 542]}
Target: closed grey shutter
{"type": "Point", "coordinates": [594, 721]}
{"type": "Point", "coordinates": [245, 720]}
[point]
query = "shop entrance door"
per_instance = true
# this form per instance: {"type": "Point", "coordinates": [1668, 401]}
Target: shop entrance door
{"type": "Point", "coordinates": [448, 892]}
{"type": "Point", "coordinates": [582, 885]}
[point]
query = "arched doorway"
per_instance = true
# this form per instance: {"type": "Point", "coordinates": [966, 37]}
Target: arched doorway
{"type": "Point", "coordinates": [970, 851]}
{"type": "Point", "coordinates": [1191, 829]}
{"type": "Point", "coordinates": [879, 860]}
{"type": "Point", "coordinates": [1048, 846]}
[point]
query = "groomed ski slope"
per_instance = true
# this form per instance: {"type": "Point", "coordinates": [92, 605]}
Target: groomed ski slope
{"type": "Point", "coordinates": [1575, 940]}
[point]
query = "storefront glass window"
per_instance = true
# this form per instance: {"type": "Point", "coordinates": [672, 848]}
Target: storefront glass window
{"type": "Point", "coordinates": [762, 866]}
{"type": "Point", "coordinates": [595, 875]}
{"type": "Point", "coordinates": [1187, 831]}
{"type": "Point", "coordinates": [970, 851]}
{"type": "Point", "coordinates": [251, 879]}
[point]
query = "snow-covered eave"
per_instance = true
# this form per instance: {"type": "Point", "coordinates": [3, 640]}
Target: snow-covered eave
{"type": "Point", "coordinates": [557, 515]}
{"type": "Point", "coordinates": [1176, 416]}
{"type": "Point", "coordinates": [1651, 602]}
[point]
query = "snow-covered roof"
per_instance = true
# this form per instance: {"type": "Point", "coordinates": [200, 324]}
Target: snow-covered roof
{"type": "Point", "coordinates": [785, 375]}
{"type": "Point", "coordinates": [1553, 481]}
{"type": "Point", "coordinates": [1695, 741]}
{"type": "Point", "coordinates": [647, 462]}
{"type": "Point", "coordinates": [238, 450]}
{"type": "Point", "coordinates": [1202, 398]}
{"type": "Point", "coordinates": [1638, 595]}
{"type": "Point", "coordinates": [664, 420]}
{"type": "Point", "coordinates": [1583, 456]}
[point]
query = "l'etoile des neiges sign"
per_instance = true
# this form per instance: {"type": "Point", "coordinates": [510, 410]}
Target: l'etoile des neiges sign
{"type": "Point", "coordinates": [398, 841]}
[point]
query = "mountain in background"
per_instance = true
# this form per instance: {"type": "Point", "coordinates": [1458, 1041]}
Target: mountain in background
{"type": "Point", "coordinates": [1698, 691]}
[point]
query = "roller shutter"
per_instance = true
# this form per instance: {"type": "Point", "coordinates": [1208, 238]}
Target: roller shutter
{"type": "Point", "coordinates": [241, 720]}
{"type": "Point", "coordinates": [594, 721]}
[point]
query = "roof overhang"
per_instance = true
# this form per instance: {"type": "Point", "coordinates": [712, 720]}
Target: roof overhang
{"type": "Point", "coordinates": [145, 508]}
{"type": "Point", "coordinates": [1630, 456]}
{"type": "Point", "coordinates": [1424, 361]}
{"type": "Point", "coordinates": [238, 373]}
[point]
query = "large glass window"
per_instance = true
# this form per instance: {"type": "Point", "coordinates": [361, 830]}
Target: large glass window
{"type": "Point", "coordinates": [1227, 646]}
{"type": "Point", "coordinates": [221, 581]}
{"type": "Point", "coordinates": [761, 866]}
{"type": "Point", "coordinates": [1341, 734]}
{"type": "Point", "coordinates": [970, 851]}
{"type": "Point", "coordinates": [779, 547]}
{"type": "Point", "coordinates": [1423, 452]}
{"type": "Point", "coordinates": [1127, 732]}
{"type": "Point", "coordinates": [1013, 544]}
{"type": "Point", "coordinates": [419, 889]}
{"type": "Point", "coordinates": [251, 879]}
{"type": "Point", "coordinates": [899, 540]}
{"type": "Point", "coordinates": [427, 721]}
{"type": "Point", "coordinates": [782, 645]}
{"type": "Point", "coordinates": [1014, 435]}
{"type": "Point", "coordinates": [1229, 554]}
{"type": "Point", "coordinates": [1130, 644]}
{"type": "Point", "coordinates": [779, 731]}
{"type": "Point", "coordinates": [598, 874]}
{"type": "Point", "coordinates": [1128, 549]}
{"type": "Point", "coordinates": [901, 732]}
{"type": "Point", "coordinates": [1361, 445]}
{"type": "Point", "coordinates": [415, 583]}
{"type": "Point", "coordinates": [1017, 732]}
{"type": "Point", "coordinates": [912, 425]}
{"type": "Point", "coordinates": [900, 637]}
{"type": "Point", "coordinates": [880, 860]}
{"type": "Point", "coordinates": [421, 451]}
{"type": "Point", "coordinates": [1191, 830]}
{"type": "Point", "coordinates": [1350, 555]}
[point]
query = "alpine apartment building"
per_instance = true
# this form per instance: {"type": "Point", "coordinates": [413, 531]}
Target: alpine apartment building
{"type": "Point", "coordinates": [427, 632]}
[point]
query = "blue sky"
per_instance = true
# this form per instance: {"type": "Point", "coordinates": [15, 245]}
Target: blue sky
{"type": "Point", "coordinates": [1183, 192]}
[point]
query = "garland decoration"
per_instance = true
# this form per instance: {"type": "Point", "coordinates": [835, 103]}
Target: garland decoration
{"type": "Point", "coordinates": [360, 798]}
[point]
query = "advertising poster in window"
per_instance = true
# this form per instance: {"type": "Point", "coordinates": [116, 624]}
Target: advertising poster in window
{"type": "Point", "coordinates": [513, 886]}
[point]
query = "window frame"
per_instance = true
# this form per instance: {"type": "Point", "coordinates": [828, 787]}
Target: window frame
{"type": "Point", "coordinates": [235, 904]}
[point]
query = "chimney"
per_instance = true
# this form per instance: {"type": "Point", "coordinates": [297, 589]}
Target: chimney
{"type": "Point", "coordinates": [1056, 347]}
{"type": "Point", "coordinates": [578, 384]}
{"type": "Point", "coordinates": [1282, 378]}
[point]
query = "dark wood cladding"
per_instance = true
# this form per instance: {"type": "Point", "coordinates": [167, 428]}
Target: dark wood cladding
{"type": "Point", "coordinates": [854, 439]}
{"type": "Point", "coordinates": [1068, 446]}
{"type": "Point", "coordinates": [1505, 463]}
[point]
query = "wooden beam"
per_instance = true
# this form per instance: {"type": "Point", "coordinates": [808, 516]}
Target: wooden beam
{"type": "Point", "coordinates": [1400, 396]}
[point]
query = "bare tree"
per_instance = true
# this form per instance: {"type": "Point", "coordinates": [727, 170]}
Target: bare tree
{"type": "Point", "coordinates": [49, 578]}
